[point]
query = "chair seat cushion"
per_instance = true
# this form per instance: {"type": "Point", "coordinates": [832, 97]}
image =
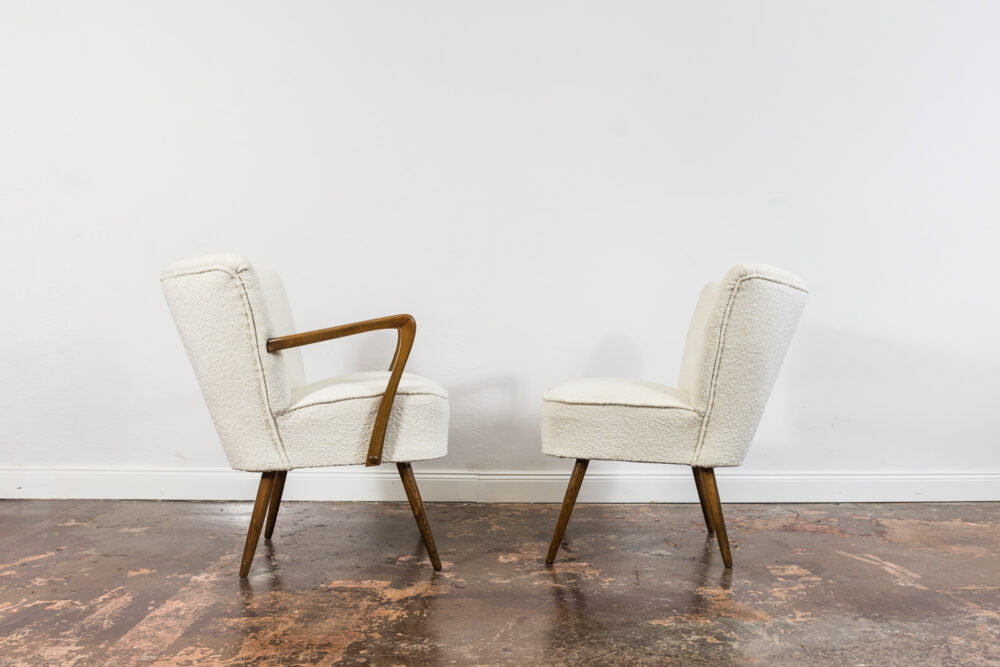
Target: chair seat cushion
{"type": "Point", "coordinates": [619, 419]}
{"type": "Point", "coordinates": [330, 422]}
{"type": "Point", "coordinates": [368, 384]}
{"type": "Point", "coordinates": [618, 391]}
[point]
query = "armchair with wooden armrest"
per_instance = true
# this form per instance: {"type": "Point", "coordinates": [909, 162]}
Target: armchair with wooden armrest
{"type": "Point", "coordinates": [235, 323]}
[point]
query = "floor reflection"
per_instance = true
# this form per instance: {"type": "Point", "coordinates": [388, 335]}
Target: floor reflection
{"type": "Point", "coordinates": [639, 585]}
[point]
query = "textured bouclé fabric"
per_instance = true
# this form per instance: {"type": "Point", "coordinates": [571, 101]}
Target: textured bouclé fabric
{"type": "Point", "coordinates": [266, 416]}
{"type": "Point", "coordinates": [333, 420]}
{"type": "Point", "coordinates": [737, 339]}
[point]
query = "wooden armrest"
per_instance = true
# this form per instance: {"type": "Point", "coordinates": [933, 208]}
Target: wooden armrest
{"type": "Point", "coordinates": [319, 335]}
{"type": "Point", "coordinates": [407, 331]}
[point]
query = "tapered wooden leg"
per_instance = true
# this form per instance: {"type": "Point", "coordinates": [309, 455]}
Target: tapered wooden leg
{"type": "Point", "coordinates": [272, 508]}
{"type": "Point", "coordinates": [698, 482]}
{"type": "Point", "coordinates": [257, 520]}
{"type": "Point", "coordinates": [417, 505]}
{"type": "Point", "coordinates": [575, 482]}
{"type": "Point", "coordinates": [715, 511]}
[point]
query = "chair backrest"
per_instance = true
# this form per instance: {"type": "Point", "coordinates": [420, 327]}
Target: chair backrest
{"type": "Point", "coordinates": [225, 312]}
{"type": "Point", "coordinates": [737, 340]}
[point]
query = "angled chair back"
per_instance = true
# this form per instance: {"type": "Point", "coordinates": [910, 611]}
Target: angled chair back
{"type": "Point", "coordinates": [737, 339]}
{"type": "Point", "coordinates": [225, 312]}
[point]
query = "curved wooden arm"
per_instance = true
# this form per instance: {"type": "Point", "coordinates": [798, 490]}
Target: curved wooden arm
{"type": "Point", "coordinates": [319, 335]}
{"type": "Point", "coordinates": [407, 331]}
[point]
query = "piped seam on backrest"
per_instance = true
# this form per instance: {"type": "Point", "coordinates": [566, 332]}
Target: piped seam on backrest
{"type": "Point", "coordinates": [709, 404]}
{"type": "Point", "coordinates": [251, 323]}
{"type": "Point", "coordinates": [275, 433]}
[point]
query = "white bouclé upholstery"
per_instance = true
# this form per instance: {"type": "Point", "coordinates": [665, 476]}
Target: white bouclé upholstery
{"type": "Point", "coordinates": [332, 420]}
{"type": "Point", "coordinates": [266, 416]}
{"type": "Point", "coordinates": [737, 339]}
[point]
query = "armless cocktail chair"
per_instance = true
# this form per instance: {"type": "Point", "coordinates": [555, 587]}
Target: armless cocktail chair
{"type": "Point", "coordinates": [236, 325]}
{"type": "Point", "coordinates": [735, 345]}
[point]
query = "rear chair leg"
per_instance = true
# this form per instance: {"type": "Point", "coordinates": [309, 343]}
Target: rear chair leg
{"type": "Point", "coordinates": [417, 505]}
{"type": "Point", "coordinates": [700, 484]}
{"type": "Point", "coordinates": [715, 512]}
{"type": "Point", "coordinates": [272, 510]}
{"type": "Point", "coordinates": [575, 482]}
{"type": "Point", "coordinates": [257, 520]}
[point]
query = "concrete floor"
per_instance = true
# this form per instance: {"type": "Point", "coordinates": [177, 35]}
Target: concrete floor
{"type": "Point", "coordinates": [122, 582]}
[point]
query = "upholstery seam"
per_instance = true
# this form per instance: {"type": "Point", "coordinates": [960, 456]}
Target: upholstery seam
{"type": "Point", "coordinates": [194, 272]}
{"type": "Point", "coordinates": [758, 276]}
{"type": "Point", "coordinates": [359, 398]}
{"type": "Point", "coordinates": [260, 369]}
{"type": "Point", "coordinates": [276, 436]}
{"type": "Point", "coordinates": [628, 460]}
{"type": "Point", "coordinates": [622, 405]}
{"type": "Point", "coordinates": [722, 348]}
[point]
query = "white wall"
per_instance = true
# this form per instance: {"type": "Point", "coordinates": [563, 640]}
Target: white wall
{"type": "Point", "coordinates": [546, 186]}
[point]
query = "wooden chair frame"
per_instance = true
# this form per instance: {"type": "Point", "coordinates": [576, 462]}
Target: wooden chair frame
{"type": "Point", "coordinates": [708, 496]}
{"type": "Point", "coordinates": [272, 483]}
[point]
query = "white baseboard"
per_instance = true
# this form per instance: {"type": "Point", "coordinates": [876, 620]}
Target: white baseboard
{"type": "Point", "coordinates": [675, 486]}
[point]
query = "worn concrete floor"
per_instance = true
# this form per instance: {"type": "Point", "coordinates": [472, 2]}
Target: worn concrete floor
{"type": "Point", "coordinates": [122, 582]}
